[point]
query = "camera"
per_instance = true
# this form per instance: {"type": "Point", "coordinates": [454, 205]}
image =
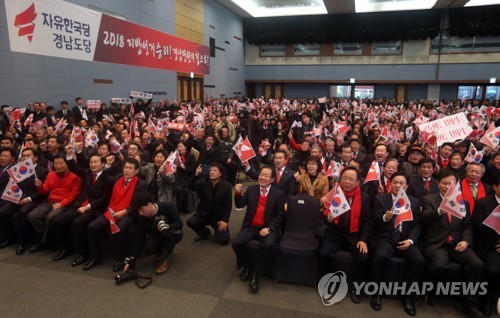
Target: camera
{"type": "Point", "coordinates": [130, 273]}
{"type": "Point", "coordinates": [161, 224]}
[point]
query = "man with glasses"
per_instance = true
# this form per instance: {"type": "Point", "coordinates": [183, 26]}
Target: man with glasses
{"type": "Point", "coordinates": [350, 231]}
{"type": "Point", "coordinates": [261, 226]}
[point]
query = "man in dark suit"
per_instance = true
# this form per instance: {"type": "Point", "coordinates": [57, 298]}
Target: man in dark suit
{"type": "Point", "coordinates": [261, 226]}
{"type": "Point", "coordinates": [357, 154]}
{"type": "Point", "coordinates": [92, 202]}
{"type": "Point", "coordinates": [123, 213]}
{"type": "Point", "coordinates": [215, 205]}
{"type": "Point", "coordinates": [445, 151]}
{"type": "Point", "coordinates": [487, 246]}
{"type": "Point", "coordinates": [377, 187]}
{"type": "Point", "coordinates": [472, 186]}
{"type": "Point", "coordinates": [284, 180]}
{"type": "Point", "coordinates": [64, 112]}
{"type": "Point", "coordinates": [350, 231]}
{"type": "Point", "coordinates": [11, 213]}
{"type": "Point", "coordinates": [393, 234]}
{"type": "Point", "coordinates": [79, 111]}
{"type": "Point", "coordinates": [424, 184]}
{"type": "Point", "coordinates": [449, 238]}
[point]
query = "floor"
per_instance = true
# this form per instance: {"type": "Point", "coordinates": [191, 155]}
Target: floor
{"type": "Point", "coordinates": [202, 282]}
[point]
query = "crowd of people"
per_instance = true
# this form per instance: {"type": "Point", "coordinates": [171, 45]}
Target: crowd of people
{"type": "Point", "coordinates": [123, 174]}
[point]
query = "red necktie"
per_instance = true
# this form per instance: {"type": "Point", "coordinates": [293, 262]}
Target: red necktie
{"type": "Point", "coordinates": [278, 176]}
{"type": "Point", "coordinates": [450, 239]}
{"type": "Point", "coordinates": [427, 186]}
{"type": "Point", "coordinates": [387, 186]}
{"type": "Point", "coordinates": [94, 177]}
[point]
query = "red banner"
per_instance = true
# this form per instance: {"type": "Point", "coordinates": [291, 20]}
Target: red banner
{"type": "Point", "coordinates": [128, 43]}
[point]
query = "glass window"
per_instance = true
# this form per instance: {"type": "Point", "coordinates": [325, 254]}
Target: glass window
{"type": "Point", "coordinates": [465, 92]}
{"type": "Point", "coordinates": [493, 93]}
{"type": "Point", "coordinates": [365, 91]}
{"type": "Point", "coordinates": [386, 48]}
{"type": "Point", "coordinates": [306, 49]}
{"type": "Point", "coordinates": [455, 44]}
{"type": "Point", "coordinates": [273, 50]}
{"type": "Point", "coordinates": [343, 91]}
{"type": "Point", "coordinates": [348, 49]}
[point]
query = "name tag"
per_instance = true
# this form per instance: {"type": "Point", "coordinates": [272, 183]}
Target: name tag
{"type": "Point", "coordinates": [300, 202]}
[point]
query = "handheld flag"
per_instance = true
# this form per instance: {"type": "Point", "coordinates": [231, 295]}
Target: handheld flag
{"type": "Point", "coordinates": [21, 171]}
{"type": "Point", "coordinates": [453, 202]}
{"type": "Point", "coordinates": [12, 192]}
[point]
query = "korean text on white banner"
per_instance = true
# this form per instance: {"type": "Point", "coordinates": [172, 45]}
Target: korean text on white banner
{"type": "Point", "coordinates": [449, 129]}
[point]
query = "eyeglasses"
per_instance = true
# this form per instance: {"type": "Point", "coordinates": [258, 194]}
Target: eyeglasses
{"type": "Point", "coordinates": [346, 179]}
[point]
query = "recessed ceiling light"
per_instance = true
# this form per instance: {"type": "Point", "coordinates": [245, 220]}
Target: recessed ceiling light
{"type": "Point", "coordinates": [397, 5]}
{"type": "Point", "coordinates": [476, 3]}
{"type": "Point", "coordinates": [255, 8]}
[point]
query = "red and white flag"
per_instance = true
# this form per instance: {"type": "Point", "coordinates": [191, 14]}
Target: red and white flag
{"type": "Point", "coordinates": [40, 123]}
{"type": "Point", "coordinates": [492, 136]}
{"type": "Point", "coordinates": [373, 172]}
{"type": "Point", "coordinates": [402, 208]}
{"type": "Point", "coordinates": [22, 170]}
{"type": "Point", "coordinates": [171, 162]}
{"type": "Point", "coordinates": [12, 192]}
{"type": "Point", "coordinates": [334, 170]}
{"type": "Point", "coordinates": [91, 139]}
{"type": "Point", "coordinates": [246, 151]}
{"type": "Point", "coordinates": [151, 126]}
{"type": "Point", "coordinates": [28, 120]}
{"type": "Point", "coordinates": [61, 124]}
{"type": "Point", "coordinates": [236, 147]}
{"type": "Point", "coordinates": [453, 202]}
{"type": "Point", "coordinates": [76, 134]}
{"type": "Point", "coordinates": [109, 214]}
{"type": "Point", "coordinates": [339, 204]}
{"type": "Point", "coordinates": [493, 220]}
{"type": "Point", "coordinates": [115, 146]}
{"type": "Point", "coordinates": [473, 155]}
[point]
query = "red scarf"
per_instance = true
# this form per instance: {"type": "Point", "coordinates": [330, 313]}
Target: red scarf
{"type": "Point", "coordinates": [467, 193]}
{"type": "Point", "coordinates": [355, 207]}
{"type": "Point", "coordinates": [121, 195]}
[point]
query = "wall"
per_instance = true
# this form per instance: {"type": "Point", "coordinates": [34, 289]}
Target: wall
{"type": "Point", "coordinates": [26, 77]}
{"type": "Point", "coordinates": [416, 91]}
{"type": "Point", "coordinates": [227, 70]}
{"type": "Point", "coordinates": [385, 91]}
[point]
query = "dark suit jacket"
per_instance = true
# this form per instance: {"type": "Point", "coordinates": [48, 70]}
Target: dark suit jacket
{"type": "Point", "coordinates": [183, 176]}
{"type": "Point", "coordinates": [77, 114]}
{"type": "Point", "coordinates": [416, 188]}
{"type": "Point", "coordinates": [97, 194]}
{"type": "Point", "coordinates": [141, 186]}
{"type": "Point", "coordinates": [360, 157]}
{"type": "Point", "coordinates": [342, 229]}
{"type": "Point", "coordinates": [286, 184]}
{"type": "Point", "coordinates": [437, 227]}
{"type": "Point", "coordinates": [382, 231]}
{"type": "Point", "coordinates": [273, 213]}
{"type": "Point", "coordinates": [28, 185]}
{"type": "Point", "coordinates": [69, 114]}
{"type": "Point", "coordinates": [217, 207]}
{"type": "Point", "coordinates": [4, 178]}
{"type": "Point", "coordinates": [488, 190]}
{"type": "Point", "coordinates": [371, 188]}
{"type": "Point", "coordinates": [485, 238]}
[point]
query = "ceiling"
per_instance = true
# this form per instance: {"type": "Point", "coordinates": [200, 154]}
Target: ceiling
{"type": "Point", "coordinates": [272, 8]}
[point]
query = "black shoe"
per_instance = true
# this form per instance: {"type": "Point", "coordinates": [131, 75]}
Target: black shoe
{"type": "Point", "coordinates": [4, 244]}
{"type": "Point", "coordinates": [37, 248]}
{"type": "Point", "coordinates": [79, 260]}
{"type": "Point", "coordinates": [202, 236]}
{"type": "Point", "coordinates": [254, 283]}
{"type": "Point", "coordinates": [118, 266]}
{"type": "Point", "coordinates": [355, 298]}
{"type": "Point", "coordinates": [244, 273]}
{"type": "Point", "coordinates": [471, 311]}
{"type": "Point", "coordinates": [376, 302]}
{"type": "Point", "coordinates": [409, 306]}
{"type": "Point", "coordinates": [91, 264]}
{"type": "Point", "coordinates": [62, 254]}
{"type": "Point", "coordinates": [20, 250]}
